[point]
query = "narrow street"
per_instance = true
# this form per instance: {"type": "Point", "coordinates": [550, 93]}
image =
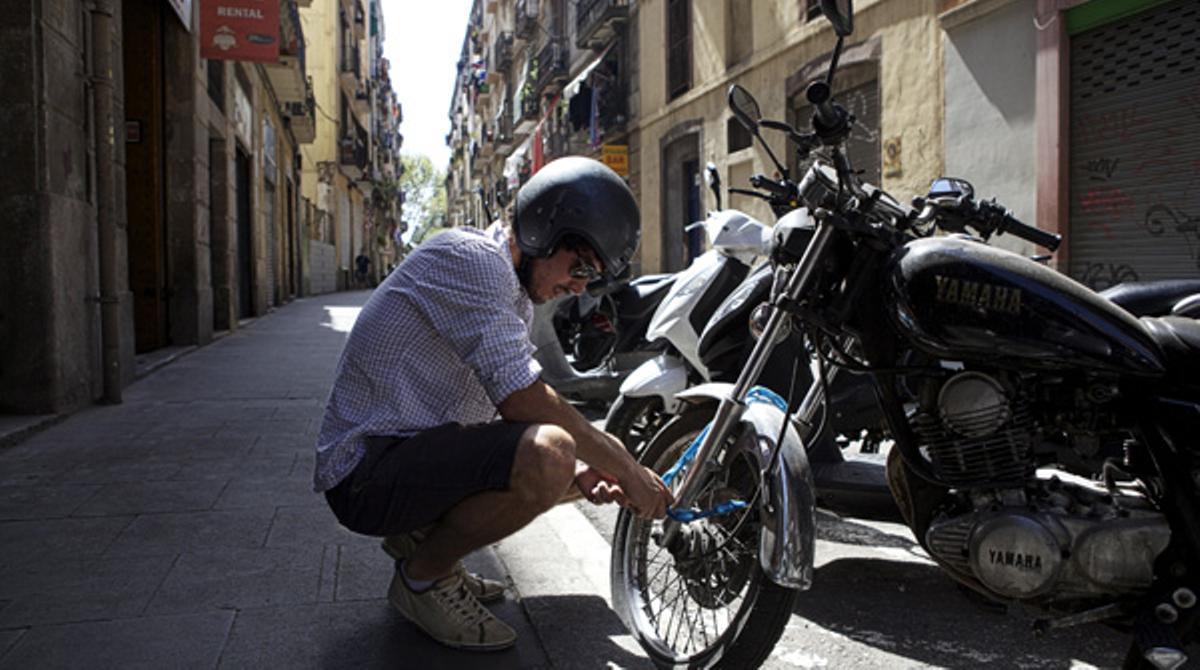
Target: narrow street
{"type": "Point", "coordinates": [179, 529]}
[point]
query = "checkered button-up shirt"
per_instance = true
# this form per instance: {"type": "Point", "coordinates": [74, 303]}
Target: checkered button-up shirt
{"type": "Point", "coordinates": [444, 338]}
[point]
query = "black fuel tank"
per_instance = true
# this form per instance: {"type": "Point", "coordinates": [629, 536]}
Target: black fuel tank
{"type": "Point", "coordinates": [961, 299]}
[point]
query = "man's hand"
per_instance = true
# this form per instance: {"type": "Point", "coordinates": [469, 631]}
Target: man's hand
{"type": "Point", "coordinates": [599, 488]}
{"type": "Point", "coordinates": [647, 495]}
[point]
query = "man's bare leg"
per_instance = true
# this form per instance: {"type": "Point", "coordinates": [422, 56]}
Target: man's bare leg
{"type": "Point", "coordinates": [543, 468]}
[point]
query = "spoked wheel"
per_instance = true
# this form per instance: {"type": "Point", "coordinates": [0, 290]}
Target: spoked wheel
{"type": "Point", "coordinates": [708, 602]}
{"type": "Point", "coordinates": [635, 420]}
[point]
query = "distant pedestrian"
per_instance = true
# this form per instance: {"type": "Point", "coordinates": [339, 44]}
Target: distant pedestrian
{"type": "Point", "coordinates": [411, 448]}
{"type": "Point", "coordinates": [362, 265]}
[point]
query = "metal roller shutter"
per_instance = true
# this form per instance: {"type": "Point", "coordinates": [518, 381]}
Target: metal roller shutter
{"type": "Point", "coordinates": [1135, 148]}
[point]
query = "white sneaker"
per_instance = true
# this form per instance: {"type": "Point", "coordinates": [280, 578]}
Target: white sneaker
{"type": "Point", "coordinates": [402, 546]}
{"type": "Point", "coordinates": [450, 614]}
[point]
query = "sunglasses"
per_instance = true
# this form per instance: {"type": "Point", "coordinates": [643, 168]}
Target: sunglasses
{"type": "Point", "coordinates": [582, 269]}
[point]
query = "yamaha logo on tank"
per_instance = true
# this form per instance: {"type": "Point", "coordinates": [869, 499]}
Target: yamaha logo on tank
{"type": "Point", "coordinates": [978, 295]}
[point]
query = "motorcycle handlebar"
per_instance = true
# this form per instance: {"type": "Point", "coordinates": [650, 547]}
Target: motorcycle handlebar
{"type": "Point", "coordinates": [819, 94]}
{"type": "Point", "coordinates": [1029, 233]}
{"type": "Point", "coordinates": [776, 188]}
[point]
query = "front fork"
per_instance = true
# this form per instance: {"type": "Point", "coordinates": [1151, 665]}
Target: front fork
{"type": "Point", "coordinates": [731, 407]}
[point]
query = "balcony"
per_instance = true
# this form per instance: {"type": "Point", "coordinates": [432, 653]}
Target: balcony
{"type": "Point", "coordinates": [362, 101]}
{"type": "Point", "coordinates": [596, 21]}
{"type": "Point", "coordinates": [301, 116]}
{"type": "Point", "coordinates": [360, 20]}
{"type": "Point", "coordinates": [526, 20]}
{"type": "Point", "coordinates": [551, 64]}
{"type": "Point", "coordinates": [353, 157]}
{"type": "Point", "coordinates": [504, 132]}
{"type": "Point", "coordinates": [502, 54]}
{"type": "Point", "coordinates": [288, 75]}
{"type": "Point", "coordinates": [353, 152]}
{"type": "Point", "coordinates": [527, 114]}
{"type": "Point", "coordinates": [487, 141]}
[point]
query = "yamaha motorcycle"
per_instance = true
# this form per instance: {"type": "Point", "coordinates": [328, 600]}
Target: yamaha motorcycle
{"type": "Point", "coordinates": [1045, 439]}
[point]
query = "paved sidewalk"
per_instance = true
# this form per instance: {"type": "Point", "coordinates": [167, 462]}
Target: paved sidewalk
{"type": "Point", "coordinates": [179, 529]}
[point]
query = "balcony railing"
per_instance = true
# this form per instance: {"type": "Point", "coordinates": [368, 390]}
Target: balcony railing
{"type": "Point", "coordinates": [526, 19]}
{"type": "Point", "coordinates": [594, 20]}
{"type": "Point", "coordinates": [551, 63]}
{"type": "Point", "coordinates": [502, 54]}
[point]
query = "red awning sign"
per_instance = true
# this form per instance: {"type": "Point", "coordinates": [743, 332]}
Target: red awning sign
{"type": "Point", "coordinates": [246, 30]}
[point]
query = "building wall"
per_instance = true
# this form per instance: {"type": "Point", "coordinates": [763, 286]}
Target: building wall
{"type": "Point", "coordinates": [911, 94]}
{"type": "Point", "coordinates": [49, 308]}
{"type": "Point", "coordinates": [989, 127]}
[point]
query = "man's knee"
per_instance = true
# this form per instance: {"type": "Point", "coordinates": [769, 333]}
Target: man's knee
{"type": "Point", "coordinates": [545, 463]}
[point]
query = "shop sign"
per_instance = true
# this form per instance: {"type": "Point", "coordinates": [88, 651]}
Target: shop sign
{"type": "Point", "coordinates": [184, 9]}
{"type": "Point", "coordinates": [245, 30]}
{"type": "Point", "coordinates": [616, 156]}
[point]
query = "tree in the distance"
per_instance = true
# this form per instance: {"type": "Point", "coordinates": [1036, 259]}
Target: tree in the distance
{"type": "Point", "coordinates": [424, 189]}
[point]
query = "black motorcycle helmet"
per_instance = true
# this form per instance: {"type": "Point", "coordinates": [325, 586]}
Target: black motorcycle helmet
{"type": "Point", "coordinates": [581, 197]}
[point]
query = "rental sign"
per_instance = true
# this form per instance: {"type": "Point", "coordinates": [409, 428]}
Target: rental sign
{"type": "Point", "coordinates": [245, 30]}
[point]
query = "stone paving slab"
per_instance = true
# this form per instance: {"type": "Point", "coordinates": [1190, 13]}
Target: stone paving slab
{"type": "Point", "coordinates": [177, 642]}
{"type": "Point", "coordinates": [151, 534]}
{"type": "Point", "coordinates": [273, 492]}
{"type": "Point", "coordinates": [42, 539]}
{"type": "Point", "coordinates": [39, 502]}
{"type": "Point", "coordinates": [151, 498]}
{"type": "Point", "coordinates": [79, 588]}
{"type": "Point", "coordinates": [362, 634]}
{"type": "Point", "coordinates": [229, 578]}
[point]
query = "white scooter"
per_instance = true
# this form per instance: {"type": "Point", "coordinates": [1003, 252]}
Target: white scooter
{"type": "Point", "coordinates": [647, 396]}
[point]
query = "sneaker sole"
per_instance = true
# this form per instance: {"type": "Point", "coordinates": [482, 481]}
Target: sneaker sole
{"type": "Point", "coordinates": [465, 646]}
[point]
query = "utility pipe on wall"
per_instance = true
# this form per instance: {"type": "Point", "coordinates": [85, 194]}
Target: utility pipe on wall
{"type": "Point", "coordinates": [105, 148]}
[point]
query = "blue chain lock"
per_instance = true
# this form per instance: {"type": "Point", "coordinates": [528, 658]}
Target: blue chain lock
{"type": "Point", "coordinates": [757, 394]}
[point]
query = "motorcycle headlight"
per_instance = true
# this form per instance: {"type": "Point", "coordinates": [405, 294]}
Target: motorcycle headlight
{"type": "Point", "coordinates": [758, 323]}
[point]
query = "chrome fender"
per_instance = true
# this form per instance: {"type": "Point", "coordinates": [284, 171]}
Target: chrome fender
{"type": "Point", "coordinates": [663, 376]}
{"type": "Point", "coordinates": [788, 539]}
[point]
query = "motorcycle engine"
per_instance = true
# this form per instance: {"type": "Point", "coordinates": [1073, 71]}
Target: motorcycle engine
{"type": "Point", "coordinates": [1021, 534]}
{"type": "Point", "coordinates": [976, 432]}
{"type": "Point", "coordinates": [1055, 539]}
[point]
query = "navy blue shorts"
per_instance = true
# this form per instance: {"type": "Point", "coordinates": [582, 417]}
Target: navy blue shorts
{"type": "Point", "coordinates": [407, 483]}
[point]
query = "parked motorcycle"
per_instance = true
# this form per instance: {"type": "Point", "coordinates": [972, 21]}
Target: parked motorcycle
{"type": "Point", "coordinates": [647, 396]}
{"type": "Point", "coordinates": [588, 344]}
{"type": "Point", "coordinates": [1001, 382]}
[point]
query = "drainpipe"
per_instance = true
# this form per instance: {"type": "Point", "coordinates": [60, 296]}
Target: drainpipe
{"type": "Point", "coordinates": [105, 139]}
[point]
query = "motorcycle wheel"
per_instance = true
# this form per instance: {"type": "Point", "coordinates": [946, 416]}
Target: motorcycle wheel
{"type": "Point", "coordinates": [635, 420]}
{"type": "Point", "coordinates": [717, 609]}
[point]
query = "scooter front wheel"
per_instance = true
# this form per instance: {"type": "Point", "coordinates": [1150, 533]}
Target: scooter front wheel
{"type": "Point", "coordinates": [709, 604]}
{"type": "Point", "coordinates": [634, 421]}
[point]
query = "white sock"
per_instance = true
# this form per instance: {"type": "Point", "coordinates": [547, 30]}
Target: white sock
{"type": "Point", "coordinates": [414, 585]}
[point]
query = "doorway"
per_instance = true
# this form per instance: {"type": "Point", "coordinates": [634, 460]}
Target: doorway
{"type": "Point", "coordinates": [680, 196]}
{"type": "Point", "coordinates": [245, 250]}
{"type": "Point", "coordinates": [145, 174]}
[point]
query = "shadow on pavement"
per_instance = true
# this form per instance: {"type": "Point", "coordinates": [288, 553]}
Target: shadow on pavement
{"type": "Point", "coordinates": [580, 632]}
{"type": "Point", "coordinates": [833, 528]}
{"type": "Point", "coordinates": [914, 610]}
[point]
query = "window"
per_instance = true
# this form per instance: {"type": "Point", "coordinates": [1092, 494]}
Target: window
{"type": "Point", "coordinates": [812, 10]}
{"type": "Point", "coordinates": [736, 136]}
{"type": "Point", "coordinates": [216, 83]}
{"type": "Point", "coordinates": [739, 31]}
{"type": "Point", "coordinates": [859, 94]}
{"type": "Point", "coordinates": [679, 48]}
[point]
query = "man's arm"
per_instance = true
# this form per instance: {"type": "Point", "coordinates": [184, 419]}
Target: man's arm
{"type": "Point", "coordinates": [539, 403]}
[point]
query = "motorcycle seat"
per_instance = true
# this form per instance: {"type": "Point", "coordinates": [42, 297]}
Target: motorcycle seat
{"type": "Point", "coordinates": [1179, 339]}
{"type": "Point", "coordinates": [1151, 298]}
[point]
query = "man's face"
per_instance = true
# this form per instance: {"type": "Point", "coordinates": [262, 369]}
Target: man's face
{"type": "Point", "coordinates": [564, 272]}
